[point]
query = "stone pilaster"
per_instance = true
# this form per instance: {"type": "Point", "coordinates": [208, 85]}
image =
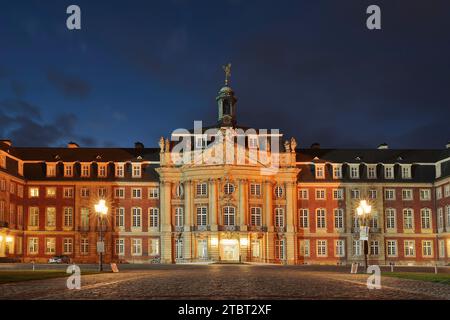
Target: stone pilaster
{"type": "Point", "coordinates": [268, 216]}
{"type": "Point", "coordinates": [166, 228]}
{"type": "Point", "coordinates": [243, 200]}
{"type": "Point", "coordinates": [212, 210]}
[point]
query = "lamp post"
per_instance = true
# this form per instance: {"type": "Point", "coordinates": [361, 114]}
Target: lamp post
{"type": "Point", "coordinates": [363, 212]}
{"type": "Point", "coordinates": [102, 210]}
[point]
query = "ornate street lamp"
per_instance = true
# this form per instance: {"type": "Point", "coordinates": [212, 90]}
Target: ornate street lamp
{"type": "Point", "coordinates": [363, 212]}
{"type": "Point", "coordinates": [102, 210]}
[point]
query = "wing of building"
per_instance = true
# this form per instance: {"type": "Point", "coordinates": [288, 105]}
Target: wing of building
{"type": "Point", "coordinates": [261, 200]}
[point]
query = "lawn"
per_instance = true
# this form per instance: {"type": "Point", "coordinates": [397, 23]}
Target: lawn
{"type": "Point", "coordinates": [443, 278]}
{"type": "Point", "coordinates": [26, 275]}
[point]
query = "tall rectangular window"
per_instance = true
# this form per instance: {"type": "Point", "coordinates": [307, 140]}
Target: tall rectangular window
{"type": "Point", "coordinates": [68, 192]}
{"type": "Point", "coordinates": [136, 247]}
{"type": "Point", "coordinates": [303, 218]}
{"type": "Point", "coordinates": [179, 217]}
{"type": "Point", "coordinates": [51, 170]}
{"type": "Point", "coordinates": [425, 215]}
{"type": "Point", "coordinates": [84, 246]}
{"type": "Point", "coordinates": [354, 171]}
{"type": "Point", "coordinates": [304, 248]}
{"type": "Point", "coordinates": [320, 171]}
{"type": "Point", "coordinates": [339, 218]}
{"type": "Point", "coordinates": [337, 171]}
{"type": "Point", "coordinates": [136, 170]}
{"type": "Point", "coordinates": [409, 246]}
{"type": "Point", "coordinates": [33, 245]}
{"type": "Point", "coordinates": [179, 249]}
{"type": "Point", "coordinates": [425, 194]}
{"type": "Point", "coordinates": [136, 217]}
{"type": "Point", "coordinates": [255, 189]}
{"type": "Point", "coordinates": [279, 217]}
{"type": "Point", "coordinates": [68, 217]}
{"type": "Point", "coordinates": [389, 172]}
{"type": "Point", "coordinates": [372, 172]}
{"type": "Point", "coordinates": [408, 219]}
{"type": "Point", "coordinates": [120, 171]}
{"type": "Point", "coordinates": [374, 248]}
{"type": "Point", "coordinates": [339, 248]}
{"type": "Point", "coordinates": [321, 218]}
{"type": "Point", "coordinates": [153, 218]}
{"type": "Point", "coordinates": [68, 170]}
{"type": "Point", "coordinates": [406, 172]}
{"type": "Point", "coordinates": [391, 248]}
{"type": "Point", "coordinates": [153, 193]}
{"type": "Point", "coordinates": [357, 248]}
{"type": "Point", "coordinates": [50, 217]}
{"type": "Point", "coordinates": [255, 216]}
{"type": "Point", "coordinates": [120, 247]}
{"type": "Point", "coordinates": [280, 249]}
{"type": "Point", "coordinates": [201, 189]}
{"type": "Point", "coordinates": [228, 216]}
{"type": "Point", "coordinates": [338, 194]}
{"type": "Point", "coordinates": [120, 217]}
{"type": "Point", "coordinates": [427, 248]}
{"type": "Point", "coordinates": [102, 170]}
{"type": "Point", "coordinates": [50, 245]}
{"type": "Point", "coordinates": [321, 248]}
{"type": "Point", "coordinates": [67, 245]}
{"type": "Point", "coordinates": [85, 170]}
{"type": "Point", "coordinates": [153, 247]}
{"type": "Point", "coordinates": [84, 215]}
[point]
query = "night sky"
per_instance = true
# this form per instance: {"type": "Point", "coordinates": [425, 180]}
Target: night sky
{"type": "Point", "coordinates": [140, 69]}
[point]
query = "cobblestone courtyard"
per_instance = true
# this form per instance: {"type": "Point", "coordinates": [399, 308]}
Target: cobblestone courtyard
{"type": "Point", "coordinates": [225, 282]}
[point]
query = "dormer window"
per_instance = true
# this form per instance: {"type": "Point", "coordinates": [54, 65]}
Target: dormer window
{"type": "Point", "coordinates": [372, 171]}
{"type": "Point", "coordinates": [102, 170]}
{"type": "Point", "coordinates": [136, 170]}
{"type": "Point", "coordinates": [119, 170]}
{"type": "Point", "coordinates": [389, 172]}
{"type": "Point", "coordinates": [320, 171]}
{"type": "Point", "coordinates": [85, 170]}
{"type": "Point", "coordinates": [51, 170]}
{"type": "Point", "coordinates": [406, 172]}
{"type": "Point", "coordinates": [337, 171]}
{"type": "Point", "coordinates": [68, 170]}
{"type": "Point", "coordinates": [354, 171]}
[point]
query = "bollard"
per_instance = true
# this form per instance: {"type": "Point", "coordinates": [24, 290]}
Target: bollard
{"type": "Point", "coordinates": [392, 267]}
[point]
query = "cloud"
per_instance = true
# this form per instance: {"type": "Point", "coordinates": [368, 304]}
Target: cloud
{"type": "Point", "coordinates": [69, 86]}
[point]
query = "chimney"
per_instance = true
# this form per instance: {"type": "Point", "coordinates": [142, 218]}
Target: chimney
{"type": "Point", "coordinates": [72, 145]}
{"type": "Point", "coordinates": [383, 146]}
{"type": "Point", "coordinates": [315, 145]}
{"type": "Point", "coordinates": [138, 145]}
{"type": "Point", "coordinates": [7, 142]}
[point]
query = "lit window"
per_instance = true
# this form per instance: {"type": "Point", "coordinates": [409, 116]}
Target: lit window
{"type": "Point", "coordinates": [337, 171]}
{"type": "Point", "coordinates": [51, 170]}
{"type": "Point", "coordinates": [50, 192]}
{"type": "Point", "coordinates": [136, 247]}
{"type": "Point", "coordinates": [119, 170]}
{"type": "Point", "coordinates": [320, 171]}
{"type": "Point", "coordinates": [153, 247]}
{"type": "Point", "coordinates": [33, 192]}
{"type": "Point", "coordinates": [68, 170]}
{"type": "Point", "coordinates": [136, 170]}
{"type": "Point", "coordinates": [85, 170]}
{"type": "Point", "coordinates": [409, 248]}
{"type": "Point", "coordinates": [406, 172]}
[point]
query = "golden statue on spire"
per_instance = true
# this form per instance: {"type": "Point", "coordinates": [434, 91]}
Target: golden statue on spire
{"type": "Point", "coordinates": [227, 69]}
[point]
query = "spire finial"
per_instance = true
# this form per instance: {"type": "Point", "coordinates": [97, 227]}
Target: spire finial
{"type": "Point", "coordinates": [227, 69]}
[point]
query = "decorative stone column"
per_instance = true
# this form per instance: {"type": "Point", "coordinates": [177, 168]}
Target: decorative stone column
{"type": "Point", "coordinates": [188, 221]}
{"type": "Point", "coordinates": [242, 204]}
{"type": "Point", "coordinates": [268, 218]}
{"type": "Point", "coordinates": [166, 228]}
{"type": "Point", "coordinates": [212, 210]}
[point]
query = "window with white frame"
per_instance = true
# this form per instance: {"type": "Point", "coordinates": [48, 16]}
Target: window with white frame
{"type": "Point", "coordinates": [337, 171]}
{"type": "Point", "coordinates": [391, 219]}
{"type": "Point", "coordinates": [202, 216]}
{"type": "Point", "coordinates": [153, 246]}
{"type": "Point", "coordinates": [372, 172]}
{"type": "Point", "coordinates": [320, 171]}
{"type": "Point", "coordinates": [439, 193]}
{"type": "Point", "coordinates": [303, 218]}
{"type": "Point", "coordinates": [33, 245]}
{"type": "Point", "coordinates": [321, 220]}
{"type": "Point", "coordinates": [303, 194]}
{"type": "Point", "coordinates": [304, 248]}
{"type": "Point", "coordinates": [153, 193]}
{"type": "Point", "coordinates": [279, 191]}
{"type": "Point", "coordinates": [279, 217]}
{"type": "Point", "coordinates": [153, 217]}
{"type": "Point", "coordinates": [374, 248]}
{"type": "Point", "coordinates": [136, 170]}
{"type": "Point", "coordinates": [84, 192]}
{"type": "Point", "coordinates": [448, 217]}
{"type": "Point", "coordinates": [338, 194]}
{"type": "Point", "coordinates": [120, 217]}
{"type": "Point", "coordinates": [136, 193]}
{"type": "Point", "coordinates": [84, 246]}
{"type": "Point", "coordinates": [357, 247]}
{"type": "Point", "coordinates": [441, 248]}
{"type": "Point", "coordinates": [339, 250]}
{"type": "Point", "coordinates": [373, 221]}
{"type": "Point", "coordinates": [50, 245]}
{"type": "Point", "coordinates": [33, 192]}
{"type": "Point", "coordinates": [179, 216]}
{"type": "Point", "coordinates": [320, 194]}
{"type": "Point", "coordinates": [391, 248]}
{"type": "Point", "coordinates": [228, 188]}
{"type": "Point", "coordinates": [407, 194]}
{"type": "Point", "coordinates": [339, 218]}
{"type": "Point", "coordinates": [354, 171]}
{"type": "Point", "coordinates": [372, 193]}
{"type": "Point", "coordinates": [355, 194]}
{"type": "Point", "coordinates": [406, 172]}
{"type": "Point", "coordinates": [280, 249]}
{"type": "Point", "coordinates": [119, 170]}
{"type": "Point", "coordinates": [119, 193]}
{"type": "Point", "coordinates": [136, 247]}
{"type": "Point", "coordinates": [68, 169]}
{"type": "Point", "coordinates": [136, 217]}
{"type": "Point", "coordinates": [425, 194]}
{"type": "Point", "coordinates": [425, 217]}
{"type": "Point", "coordinates": [68, 217]}
{"type": "Point", "coordinates": [427, 248]}
{"type": "Point", "coordinates": [51, 170]}
{"type": "Point", "coordinates": [447, 190]}
{"type": "Point", "coordinates": [201, 189]}
{"type": "Point", "coordinates": [202, 248]}
{"type": "Point", "coordinates": [102, 170]}
{"type": "Point", "coordinates": [389, 194]}
{"type": "Point", "coordinates": [200, 142]}
{"type": "Point", "coordinates": [388, 172]}
{"type": "Point", "coordinates": [33, 217]}
{"type": "Point", "coordinates": [68, 192]}
{"type": "Point", "coordinates": [50, 217]}
{"type": "Point", "coordinates": [408, 219]}
{"type": "Point", "coordinates": [178, 248]}
{"type": "Point", "coordinates": [321, 248]}
{"type": "Point", "coordinates": [120, 246]}
{"type": "Point", "coordinates": [440, 218]}
{"type": "Point", "coordinates": [85, 170]}
{"type": "Point", "coordinates": [67, 245]}
{"type": "Point", "coordinates": [255, 216]}
{"type": "Point", "coordinates": [255, 189]}
{"type": "Point", "coordinates": [229, 215]}
{"type": "Point", "coordinates": [409, 246]}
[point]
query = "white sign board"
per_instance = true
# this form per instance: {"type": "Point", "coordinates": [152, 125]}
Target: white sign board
{"type": "Point", "coordinates": [364, 233]}
{"type": "Point", "coordinates": [100, 247]}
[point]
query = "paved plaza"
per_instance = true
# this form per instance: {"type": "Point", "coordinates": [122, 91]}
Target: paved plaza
{"type": "Point", "coordinates": [226, 282]}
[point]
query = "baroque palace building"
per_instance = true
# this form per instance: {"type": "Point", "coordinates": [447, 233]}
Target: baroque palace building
{"type": "Point", "coordinates": [165, 211]}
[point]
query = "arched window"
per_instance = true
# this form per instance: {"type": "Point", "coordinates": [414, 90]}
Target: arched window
{"type": "Point", "coordinates": [229, 216]}
{"type": "Point", "coordinates": [228, 188]}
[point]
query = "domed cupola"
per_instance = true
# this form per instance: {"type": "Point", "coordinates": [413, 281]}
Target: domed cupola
{"type": "Point", "coordinates": [227, 101]}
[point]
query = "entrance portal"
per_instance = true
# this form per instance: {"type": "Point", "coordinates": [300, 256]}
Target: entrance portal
{"type": "Point", "coordinates": [229, 249]}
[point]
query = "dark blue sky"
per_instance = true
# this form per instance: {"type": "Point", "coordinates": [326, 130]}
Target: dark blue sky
{"type": "Point", "coordinates": [139, 69]}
